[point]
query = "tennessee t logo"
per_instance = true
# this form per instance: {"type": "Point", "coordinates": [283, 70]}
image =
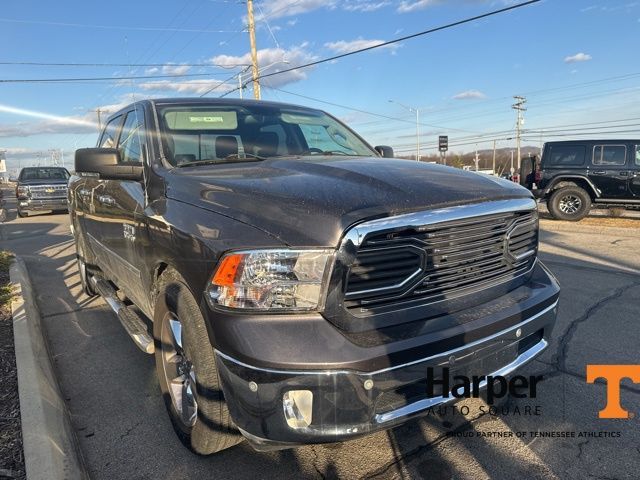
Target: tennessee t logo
{"type": "Point", "coordinates": [613, 374]}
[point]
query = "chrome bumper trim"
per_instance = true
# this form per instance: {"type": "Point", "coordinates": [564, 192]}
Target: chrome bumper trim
{"type": "Point", "coordinates": [427, 403]}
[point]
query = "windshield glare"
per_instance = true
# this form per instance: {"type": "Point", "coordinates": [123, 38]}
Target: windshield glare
{"type": "Point", "coordinates": [211, 134]}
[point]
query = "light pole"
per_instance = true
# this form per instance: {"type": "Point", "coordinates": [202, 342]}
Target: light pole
{"type": "Point", "coordinates": [417, 112]}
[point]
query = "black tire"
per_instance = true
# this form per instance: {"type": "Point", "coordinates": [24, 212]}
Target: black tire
{"type": "Point", "coordinates": [22, 214]}
{"type": "Point", "coordinates": [569, 203]}
{"type": "Point", "coordinates": [85, 276]}
{"type": "Point", "coordinates": [212, 430]}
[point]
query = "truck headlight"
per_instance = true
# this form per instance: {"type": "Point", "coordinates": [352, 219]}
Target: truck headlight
{"type": "Point", "coordinates": [22, 192]}
{"type": "Point", "coordinates": [271, 280]}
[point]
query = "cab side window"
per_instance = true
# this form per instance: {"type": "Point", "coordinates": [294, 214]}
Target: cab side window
{"type": "Point", "coordinates": [609, 155]}
{"type": "Point", "coordinates": [132, 138]}
{"type": "Point", "coordinates": [637, 155]}
{"type": "Point", "coordinates": [110, 132]}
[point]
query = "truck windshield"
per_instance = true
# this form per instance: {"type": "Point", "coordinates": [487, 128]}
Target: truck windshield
{"type": "Point", "coordinates": [205, 134]}
{"type": "Point", "coordinates": [44, 173]}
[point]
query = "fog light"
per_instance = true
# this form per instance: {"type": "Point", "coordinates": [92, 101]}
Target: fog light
{"type": "Point", "coordinates": [298, 407]}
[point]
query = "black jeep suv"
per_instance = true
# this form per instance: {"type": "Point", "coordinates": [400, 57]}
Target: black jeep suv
{"type": "Point", "coordinates": [302, 286]}
{"type": "Point", "coordinates": [574, 175]}
{"type": "Point", "coordinates": [42, 189]}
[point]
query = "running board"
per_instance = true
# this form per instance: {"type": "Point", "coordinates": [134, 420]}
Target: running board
{"type": "Point", "coordinates": [130, 320]}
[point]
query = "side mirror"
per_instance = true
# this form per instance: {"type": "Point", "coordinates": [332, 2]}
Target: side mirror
{"type": "Point", "coordinates": [384, 151]}
{"type": "Point", "coordinates": [106, 163]}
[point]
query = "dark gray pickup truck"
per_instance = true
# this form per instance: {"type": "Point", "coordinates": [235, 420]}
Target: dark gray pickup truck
{"type": "Point", "coordinates": [303, 286]}
{"type": "Point", "coordinates": [41, 189]}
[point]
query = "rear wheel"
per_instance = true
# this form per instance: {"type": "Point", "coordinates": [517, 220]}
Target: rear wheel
{"type": "Point", "coordinates": [22, 213]}
{"type": "Point", "coordinates": [570, 203]}
{"type": "Point", "coordinates": [186, 368]}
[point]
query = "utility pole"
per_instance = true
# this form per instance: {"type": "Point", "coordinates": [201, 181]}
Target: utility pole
{"type": "Point", "coordinates": [477, 159]}
{"type": "Point", "coordinates": [519, 107]}
{"type": "Point", "coordinates": [494, 157]}
{"type": "Point", "coordinates": [254, 52]}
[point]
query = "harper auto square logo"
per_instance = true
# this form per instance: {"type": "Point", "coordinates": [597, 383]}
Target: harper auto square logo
{"type": "Point", "coordinates": [613, 374]}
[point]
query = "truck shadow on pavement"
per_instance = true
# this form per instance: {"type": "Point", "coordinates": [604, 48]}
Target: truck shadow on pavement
{"type": "Point", "coordinates": [124, 432]}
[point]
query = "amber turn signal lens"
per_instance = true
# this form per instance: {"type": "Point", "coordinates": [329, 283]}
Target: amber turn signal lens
{"type": "Point", "coordinates": [226, 274]}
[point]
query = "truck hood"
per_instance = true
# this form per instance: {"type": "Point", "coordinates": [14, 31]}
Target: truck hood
{"type": "Point", "coordinates": [312, 201]}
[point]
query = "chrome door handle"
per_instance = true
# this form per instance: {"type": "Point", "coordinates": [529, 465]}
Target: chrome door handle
{"type": "Point", "coordinates": [623, 174]}
{"type": "Point", "coordinates": [84, 192]}
{"type": "Point", "coordinates": [599, 172]}
{"type": "Point", "coordinates": [107, 200]}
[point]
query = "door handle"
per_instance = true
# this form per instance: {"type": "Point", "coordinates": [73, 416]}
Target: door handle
{"type": "Point", "coordinates": [599, 172]}
{"type": "Point", "coordinates": [84, 192]}
{"type": "Point", "coordinates": [623, 174]}
{"type": "Point", "coordinates": [107, 200]}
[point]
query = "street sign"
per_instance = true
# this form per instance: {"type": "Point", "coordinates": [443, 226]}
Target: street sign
{"type": "Point", "coordinates": [443, 143]}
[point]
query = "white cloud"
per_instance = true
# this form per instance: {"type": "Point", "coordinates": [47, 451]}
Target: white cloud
{"type": "Point", "coordinates": [175, 69]}
{"type": "Point", "coordinates": [469, 95]}
{"type": "Point", "coordinates": [412, 6]}
{"type": "Point", "coordinates": [343, 46]}
{"type": "Point", "coordinates": [578, 57]}
{"type": "Point", "coordinates": [287, 8]}
{"type": "Point", "coordinates": [408, 6]}
{"type": "Point", "coordinates": [273, 59]}
{"type": "Point", "coordinates": [197, 87]}
{"type": "Point", "coordinates": [364, 5]}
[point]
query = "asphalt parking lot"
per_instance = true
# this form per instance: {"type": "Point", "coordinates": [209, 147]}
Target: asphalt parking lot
{"type": "Point", "coordinates": [117, 410]}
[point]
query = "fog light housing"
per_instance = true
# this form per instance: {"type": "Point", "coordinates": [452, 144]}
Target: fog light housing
{"type": "Point", "coordinates": [298, 408]}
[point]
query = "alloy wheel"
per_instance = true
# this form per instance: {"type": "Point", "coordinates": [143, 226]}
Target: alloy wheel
{"type": "Point", "coordinates": [570, 204]}
{"type": "Point", "coordinates": [179, 371]}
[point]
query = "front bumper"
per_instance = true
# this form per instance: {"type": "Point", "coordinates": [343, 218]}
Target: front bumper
{"type": "Point", "coordinates": [32, 204]}
{"type": "Point", "coordinates": [343, 407]}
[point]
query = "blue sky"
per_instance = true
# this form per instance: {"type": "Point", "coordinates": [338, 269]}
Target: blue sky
{"type": "Point", "coordinates": [572, 59]}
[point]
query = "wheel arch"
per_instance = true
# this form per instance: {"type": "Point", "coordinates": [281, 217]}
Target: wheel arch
{"type": "Point", "coordinates": [574, 181]}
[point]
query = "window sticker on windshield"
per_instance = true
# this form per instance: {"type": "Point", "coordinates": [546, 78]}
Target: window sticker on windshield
{"type": "Point", "coordinates": [205, 120]}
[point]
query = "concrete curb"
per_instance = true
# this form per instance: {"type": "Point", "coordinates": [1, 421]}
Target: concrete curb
{"type": "Point", "coordinates": [575, 227]}
{"type": "Point", "coordinates": [51, 449]}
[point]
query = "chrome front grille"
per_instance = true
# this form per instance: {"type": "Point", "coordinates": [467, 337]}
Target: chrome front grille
{"type": "Point", "coordinates": [48, 191]}
{"type": "Point", "coordinates": [440, 259]}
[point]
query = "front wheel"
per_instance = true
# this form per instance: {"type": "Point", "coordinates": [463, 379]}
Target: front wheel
{"type": "Point", "coordinates": [186, 368]}
{"type": "Point", "coordinates": [570, 203]}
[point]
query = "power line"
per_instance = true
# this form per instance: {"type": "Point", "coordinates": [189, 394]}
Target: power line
{"type": "Point", "coordinates": [113, 27]}
{"type": "Point", "coordinates": [79, 64]}
{"type": "Point", "coordinates": [96, 79]}
{"type": "Point", "coordinates": [400, 39]}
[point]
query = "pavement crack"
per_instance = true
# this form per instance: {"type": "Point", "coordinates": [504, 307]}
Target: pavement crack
{"type": "Point", "coordinates": [563, 342]}
{"type": "Point", "coordinates": [384, 469]}
{"type": "Point", "coordinates": [316, 460]}
{"type": "Point", "coordinates": [130, 429]}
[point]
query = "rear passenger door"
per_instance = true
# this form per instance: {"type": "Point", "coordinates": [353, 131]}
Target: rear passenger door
{"type": "Point", "coordinates": [609, 170]}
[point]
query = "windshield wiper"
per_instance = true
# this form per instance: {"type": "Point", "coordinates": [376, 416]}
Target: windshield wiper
{"type": "Point", "coordinates": [329, 152]}
{"type": "Point", "coordinates": [234, 158]}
